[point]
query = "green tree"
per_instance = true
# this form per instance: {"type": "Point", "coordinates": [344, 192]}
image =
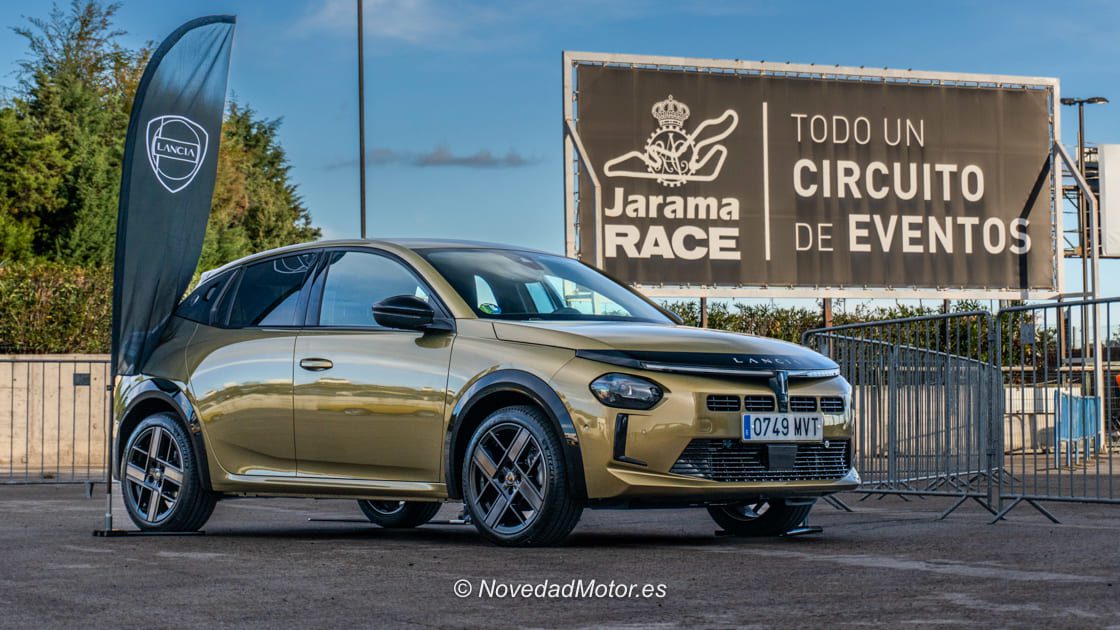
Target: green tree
{"type": "Point", "coordinates": [77, 85]}
{"type": "Point", "coordinates": [29, 183]}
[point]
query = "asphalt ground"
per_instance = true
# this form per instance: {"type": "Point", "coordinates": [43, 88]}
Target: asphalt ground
{"type": "Point", "coordinates": [263, 563]}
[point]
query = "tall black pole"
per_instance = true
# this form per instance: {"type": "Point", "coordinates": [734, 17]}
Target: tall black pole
{"type": "Point", "coordinates": [361, 119]}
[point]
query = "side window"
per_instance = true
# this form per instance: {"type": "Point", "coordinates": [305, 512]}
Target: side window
{"type": "Point", "coordinates": [583, 299]}
{"type": "Point", "coordinates": [484, 297]}
{"type": "Point", "coordinates": [268, 292]}
{"type": "Point", "coordinates": [197, 306]}
{"type": "Point", "coordinates": [542, 301]}
{"type": "Point", "coordinates": [358, 280]}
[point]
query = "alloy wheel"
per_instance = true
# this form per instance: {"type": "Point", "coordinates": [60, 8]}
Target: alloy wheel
{"type": "Point", "coordinates": [508, 476]}
{"type": "Point", "coordinates": [386, 507]}
{"type": "Point", "coordinates": [748, 511]}
{"type": "Point", "coordinates": [153, 474]}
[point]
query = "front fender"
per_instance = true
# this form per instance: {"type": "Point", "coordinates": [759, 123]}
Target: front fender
{"type": "Point", "coordinates": [525, 384]}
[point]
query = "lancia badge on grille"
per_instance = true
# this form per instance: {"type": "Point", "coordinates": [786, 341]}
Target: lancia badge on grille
{"type": "Point", "coordinates": [780, 384]}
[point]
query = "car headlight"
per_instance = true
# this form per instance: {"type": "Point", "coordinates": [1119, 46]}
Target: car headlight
{"type": "Point", "coordinates": [626, 391]}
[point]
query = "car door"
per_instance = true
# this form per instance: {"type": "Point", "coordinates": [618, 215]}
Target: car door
{"type": "Point", "coordinates": [240, 367]}
{"type": "Point", "coordinates": [369, 401]}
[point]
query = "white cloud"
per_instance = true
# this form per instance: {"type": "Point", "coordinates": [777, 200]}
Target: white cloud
{"type": "Point", "coordinates": [440, 156]}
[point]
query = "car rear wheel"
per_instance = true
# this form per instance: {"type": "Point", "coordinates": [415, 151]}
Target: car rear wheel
{"type": "Point", "coordinates": [514, 480]}
{"type": "Point", "coordinates": [399, 514]}
{"type": "Point", "coordinates": [160, 478]}
{"type": "Point", "coordinates": [767, 517]}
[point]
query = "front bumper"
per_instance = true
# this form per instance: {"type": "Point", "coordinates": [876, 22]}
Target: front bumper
{"type": "Point", "coordinates": [640, 463]}
{"type": "Point", "coordinates": [641, 486]}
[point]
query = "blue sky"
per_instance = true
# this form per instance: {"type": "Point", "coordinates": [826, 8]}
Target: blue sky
{"type": "Point", "coordinates": [464, 98]}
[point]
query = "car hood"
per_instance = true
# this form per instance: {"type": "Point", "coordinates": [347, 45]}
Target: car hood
{"type": "Point", "coordinates": [643, 345]}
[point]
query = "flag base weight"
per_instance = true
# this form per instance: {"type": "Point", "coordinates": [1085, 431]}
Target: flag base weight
{"type": "Point", "coordinates": [803, 530]}
{"type": "Point", "coordinates": [800, 530]}
{"type": "Point", "coordinates": [120, 533]}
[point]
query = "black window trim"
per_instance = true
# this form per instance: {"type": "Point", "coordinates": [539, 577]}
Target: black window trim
{"type": "Point", "coordinates": [222, 281]}
{"type": "Point", "coordinates": [313, 308]}
{"type": "Point", "coordinates": [218, 319]}
{"type": "Point", "coordinates": [222, 320]}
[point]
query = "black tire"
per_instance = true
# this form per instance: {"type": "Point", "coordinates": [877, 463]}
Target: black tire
{"type": "Point", "coordinates": [527, 496]}
{"type": "Point", "coordinates": [399, 514]}
{"type": "Point", "coordinates": [767, 517]}
{"type": "Point", "coordinates": [163, 491]}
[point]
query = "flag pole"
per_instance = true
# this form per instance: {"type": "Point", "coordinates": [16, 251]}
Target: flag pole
{"type": "Point", "coordinates": [109, 450]}
{"type": "Point", "coordinates": [361, 119]}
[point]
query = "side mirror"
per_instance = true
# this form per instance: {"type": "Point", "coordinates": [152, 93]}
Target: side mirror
{"type": "Point", "coordinates": [403, 311]}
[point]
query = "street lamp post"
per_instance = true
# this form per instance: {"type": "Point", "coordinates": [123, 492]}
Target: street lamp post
{"type": "Point", "coordinates": [361, 122]}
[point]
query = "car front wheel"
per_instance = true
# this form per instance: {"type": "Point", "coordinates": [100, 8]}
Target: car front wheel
{"type": "Point", "coordinates": [766, 517]}
{"type": "Point", "coordinates": [160, 478]}
{"type": "Point", "coordinates": [514, 480]}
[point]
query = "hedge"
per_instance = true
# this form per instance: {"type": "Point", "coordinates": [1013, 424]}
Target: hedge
{"type": "Point", "coordinates": [53, 308]}
{"type": "Point", "coordinates": [789, 322]}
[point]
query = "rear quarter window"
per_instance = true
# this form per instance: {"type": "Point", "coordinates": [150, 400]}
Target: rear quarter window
{"type": "Point", "coordinates": [199, 304]}
{"type": "Point", "coordinates": [268, 292]}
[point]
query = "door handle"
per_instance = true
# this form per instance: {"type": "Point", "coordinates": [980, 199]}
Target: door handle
{"type": "Point", "coordinates": [316, 365]}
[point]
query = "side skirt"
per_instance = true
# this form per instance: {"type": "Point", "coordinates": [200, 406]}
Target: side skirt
{"type": "Point", "coordinates": [331, 487]}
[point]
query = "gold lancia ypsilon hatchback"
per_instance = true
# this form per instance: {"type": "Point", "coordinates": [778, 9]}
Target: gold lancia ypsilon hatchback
{"type": "Point", "coordinates": [528, 385]}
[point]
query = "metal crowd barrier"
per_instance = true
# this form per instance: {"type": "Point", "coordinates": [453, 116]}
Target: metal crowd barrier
{"type": "Point", "coordinates": [1018, 407]}
{"type": "Point", "coordinates": [53, 414]}
{"type": "Point", "coordinates": [1061, 363]}
{"type": "Point", "coordinates": [924, 395]}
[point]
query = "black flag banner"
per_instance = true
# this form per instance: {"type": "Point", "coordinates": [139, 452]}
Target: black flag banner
{"type": "Point", "coordinates": [167, 180]}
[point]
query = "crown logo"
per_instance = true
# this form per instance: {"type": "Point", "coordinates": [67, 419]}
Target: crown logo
{"type": "Point", "coordinates": [670, 113]}
{"type": "Point", "coordinates": [674, 155]}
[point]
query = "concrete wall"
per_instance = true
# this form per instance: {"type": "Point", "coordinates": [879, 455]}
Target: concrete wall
{"type": "Point", "coordinates": [53, 412]}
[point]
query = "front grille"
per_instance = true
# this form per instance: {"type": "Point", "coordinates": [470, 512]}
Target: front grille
{"type": "Point", "coordinates": [802, 403]}
{"type": "Point", "coordinates": [718, 402]}
{"type": "Point", "coordinates": [735, 461]}
{"type": "Point", "coordinates": [832, 404]}
{"type": "Point", "coordinates": [758, 403]}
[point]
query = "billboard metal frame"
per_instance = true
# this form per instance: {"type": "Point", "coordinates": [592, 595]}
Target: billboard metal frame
{"type": "Point", "coordinates": [575, 158]}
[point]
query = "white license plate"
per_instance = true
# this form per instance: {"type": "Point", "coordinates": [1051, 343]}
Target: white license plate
{"type": "Point", "coordinates": [782, 427]}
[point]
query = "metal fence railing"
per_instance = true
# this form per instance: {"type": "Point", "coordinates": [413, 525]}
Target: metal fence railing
{"type": "Point", "coordinates": [53, 415]}
{"type": "Point", "coordinates": [1061, 430]}
{"type": "Point", "coordinates": [1020, 406]}
{"type": "Point", "coordinates": [924, 395]}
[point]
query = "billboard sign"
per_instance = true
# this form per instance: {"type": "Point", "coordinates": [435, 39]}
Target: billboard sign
{"type": "Point", "coordinates": [1108, 165]}
{"type": "Point", "coordinates": [731, 178]}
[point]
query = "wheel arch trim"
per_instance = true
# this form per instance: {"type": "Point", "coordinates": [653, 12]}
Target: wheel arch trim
{"type": "Point", "coordinates": [141, 395]}
{"type": "Point", "coordinates": [512, 381]}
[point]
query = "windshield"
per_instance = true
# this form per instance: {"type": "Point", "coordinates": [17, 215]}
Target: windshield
{"type": "Point", "coordinates": [504, 284]}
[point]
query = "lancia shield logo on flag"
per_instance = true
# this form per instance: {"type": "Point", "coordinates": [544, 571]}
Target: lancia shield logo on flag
{"type": "Point", "coordinates": [176, 149]}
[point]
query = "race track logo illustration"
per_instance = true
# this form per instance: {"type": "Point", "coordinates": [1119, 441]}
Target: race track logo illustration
{"type": "Point", "coordinates": [176, 149]}
{"type": "Point", "coordinates": [674, 156]}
